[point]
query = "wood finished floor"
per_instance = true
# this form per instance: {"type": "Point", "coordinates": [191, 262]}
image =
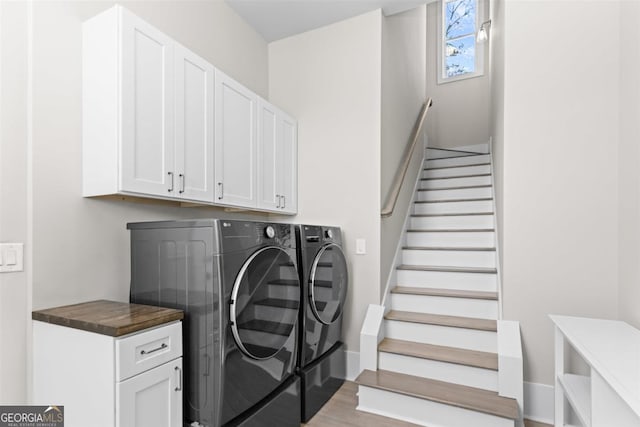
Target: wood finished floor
{"type": "Point", "coordinates": [341, 411]}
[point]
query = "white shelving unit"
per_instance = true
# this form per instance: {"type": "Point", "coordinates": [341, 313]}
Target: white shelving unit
{"type": "Point", "coordinates": [610, 394]}
{"type": "Point", "coordinates": [577, 390]}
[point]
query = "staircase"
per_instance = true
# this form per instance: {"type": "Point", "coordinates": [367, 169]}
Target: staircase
{"type": "Point", "coordinates": [437, 345]}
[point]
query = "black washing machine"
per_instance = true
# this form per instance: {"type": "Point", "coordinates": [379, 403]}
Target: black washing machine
{"type": "Point", "coordinates": [238, 283]}
{"type": "Point", "coordinates": [325, 280]}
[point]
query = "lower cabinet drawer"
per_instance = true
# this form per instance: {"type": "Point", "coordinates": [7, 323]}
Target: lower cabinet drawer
{"type": "Point", "coordinates": [143, 351]}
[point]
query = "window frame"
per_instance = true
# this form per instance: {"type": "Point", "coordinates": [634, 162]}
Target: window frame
{"type": "Point", "coordinates": [441, 42]}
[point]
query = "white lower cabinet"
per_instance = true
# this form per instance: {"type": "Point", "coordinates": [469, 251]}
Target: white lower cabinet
{"type": "Point", "coordinates": [103, 381]}
{"type": "Point", "coordinates": [150, 399]}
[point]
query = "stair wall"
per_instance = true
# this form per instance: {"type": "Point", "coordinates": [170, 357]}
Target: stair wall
{"type": "Point", "coordinates": [441, 311]}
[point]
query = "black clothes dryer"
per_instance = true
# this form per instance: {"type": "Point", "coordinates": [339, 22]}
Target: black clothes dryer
{"type": "Point", "coordinates": [238, 285]}
{"type": "Point", "coordinates": [325, 280]}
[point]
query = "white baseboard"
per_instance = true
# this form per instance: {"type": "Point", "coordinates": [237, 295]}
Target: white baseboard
{"type": "Point", "coordinates": [353, 364]}
{"type": "Point", "coordinates": [538, 402]}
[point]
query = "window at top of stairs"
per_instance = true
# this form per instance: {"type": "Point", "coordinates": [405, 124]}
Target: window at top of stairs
{"type": "Point", "coordinates": [460, 56]}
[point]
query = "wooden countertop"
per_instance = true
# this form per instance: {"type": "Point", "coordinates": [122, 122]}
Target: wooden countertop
{"type": "Point", "coordinates": [108, 317]}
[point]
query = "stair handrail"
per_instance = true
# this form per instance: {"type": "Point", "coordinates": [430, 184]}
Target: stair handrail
{"type": "Point", "coordinates": [398, 181]}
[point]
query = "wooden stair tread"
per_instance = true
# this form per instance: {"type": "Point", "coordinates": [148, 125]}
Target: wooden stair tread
{"type": "Point", "coordinates": [482, 199]}
{"type": "Point", "coordinates": [459, 356]}
{"type": "Point", "coordinates": [460, 187]}
{"type": "Point", "coordinates": [483, 270]}
{"type": "Point", "coordinates": [457, 166]}
{"type": "Point", "coordinates": [475, 399]}
{"type": "Point", "coordinates": [447, 248]}
{"type": "Point", "coordinates": [450, 230]}
{"type": "Point", "coordinates": [443, 320]}
{"type": "Point", "coordinates": [451, 293]}
{"type": "Point", "coordinates": [452, 214]}
{"type": "Point", "coordinates": [477, 175]}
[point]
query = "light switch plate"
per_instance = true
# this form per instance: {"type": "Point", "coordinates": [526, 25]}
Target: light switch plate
{"type": "Point", "coordinates": [361, 246]}
{"type": "Point", "coordinates": [12, 256]}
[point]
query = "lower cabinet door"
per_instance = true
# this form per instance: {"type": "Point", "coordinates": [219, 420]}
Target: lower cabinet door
{"type": "Point", "coordinates": [152, 398]}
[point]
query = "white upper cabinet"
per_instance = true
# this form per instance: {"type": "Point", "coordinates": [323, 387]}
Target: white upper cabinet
{"type": "Point", "coordinates": [159, 121]}
{"type": "Point", "coordinates": [147, 112]}
{"type": "Point", "coordinates": [268, 196]}
{"type": "Point", "coordinates": [288, 155]}
{"type": "Point", "coordinates": [235, 143]}
{"type": "Point", "coordinates": [194, 95]}
{"type": "Point", "coordinates": [277, 159]}
{"type": "Point", "coordinates": [147, 145]}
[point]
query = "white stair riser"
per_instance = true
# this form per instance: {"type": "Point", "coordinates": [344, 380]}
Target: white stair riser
{"type": "Point", "coordinates": [454, 239]}
{"type": "Point", "coordinates": [456, 194]}
{"type": "Point", "coordinates": [442, 371]}
{"type": "Point", "coordinates": [471, 339]}
{"type": "Point", "coordinates": [423, 412]}
{"type": "Point", "coordinates": [453, 207]}
{"type": "Point", "coordinates": [458, 161]}
{"type": "Point", "coordinates": [453, 222]}
{"type": "Point", "coordinates": [448, 280]}
{"type": "Point", "coordinates": [462, 171]}
{"type": "Point", "coordinates": [464, 307]}
{"type": "Point", "coordinates": [449, 258]}
{"type": "Point", "coordinates": [456, 182]}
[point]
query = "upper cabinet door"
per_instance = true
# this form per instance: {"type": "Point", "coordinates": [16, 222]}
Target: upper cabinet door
{"type": "Point", "coordinates": [277, 159]}
{"type": "Point", "coordinates": [147, 148]}
{"type": "Point", "coordinates": [194, 133]}
{"type": "Point", "coordinates": [288, 170]}
{"type": "Point", "coordinates": [268, 161]}
{"type": "Point", "coordinates": [235, 143]}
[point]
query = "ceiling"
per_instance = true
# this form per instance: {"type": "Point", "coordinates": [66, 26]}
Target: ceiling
{"type": "Point", "coordinates": [277, 19]}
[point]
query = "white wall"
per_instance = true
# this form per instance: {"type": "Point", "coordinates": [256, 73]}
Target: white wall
{"type": "Point", "coordinates": [403, 93]}
{"type": "Point", "coordinates": [460, 114]}
{"type": "Point", "coordinates": [14, 304]}
{"type": "Point", "coordinates": [81, 246]}
{"type": "Point", "coordinates": [496, 110]}
{"type": "Point", "coordinates": [629, 165]}
{"type": "Point", "coordinates": [560, 168]}
{"type": "Point", "coordinates": [330, 80]}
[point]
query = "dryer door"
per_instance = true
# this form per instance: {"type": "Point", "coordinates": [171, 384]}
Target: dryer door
{"type": "Point", "coordinates": [265, 302]}
{"type": "Point", "coordinates": [328, 283]}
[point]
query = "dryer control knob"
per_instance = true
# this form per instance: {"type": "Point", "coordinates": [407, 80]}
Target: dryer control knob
{"type": "Point", "coordinates": [270, 232]}
{"type": "Point", "coordinates": [328, 234]}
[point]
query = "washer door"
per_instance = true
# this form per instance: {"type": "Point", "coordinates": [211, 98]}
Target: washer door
{"type": "Point", "coordinates": [328, 283]}
{"type": "Point", "coordinates": [265, 302]}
